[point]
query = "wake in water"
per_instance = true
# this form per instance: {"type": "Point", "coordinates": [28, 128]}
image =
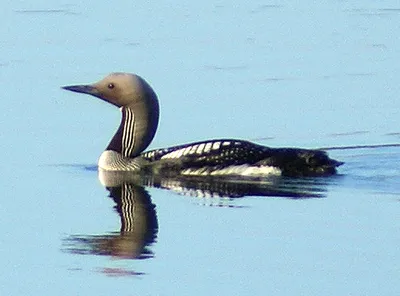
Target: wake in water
{"type": "Point", "coordinates": [360, 147]}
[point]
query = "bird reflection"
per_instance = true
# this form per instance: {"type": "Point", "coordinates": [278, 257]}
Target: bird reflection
{"type": "Point", "coordinates": [222, 187]}
{"type": "Point", "coordinates": [138, 227]}
{"type": "Point", "coordinates": [138, 217]}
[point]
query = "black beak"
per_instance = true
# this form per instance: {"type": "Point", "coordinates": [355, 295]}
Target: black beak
{"type": "Point", "coordinates": [84, 89]}
{"type": "Point", "coordinates": [90, 90]}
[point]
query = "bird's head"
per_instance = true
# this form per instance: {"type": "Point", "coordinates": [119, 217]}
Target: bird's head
{"type": "Point", "coordinates": [119, 89]}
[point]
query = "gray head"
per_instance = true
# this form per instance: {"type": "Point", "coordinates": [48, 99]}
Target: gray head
{"type": "Point", "coordinates": [126, 90]}
{"type": "Point", "coordinates": [119, 89]}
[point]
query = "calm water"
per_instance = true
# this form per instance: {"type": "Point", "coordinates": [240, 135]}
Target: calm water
{"type": "Point", "coordinates": [281, 74]}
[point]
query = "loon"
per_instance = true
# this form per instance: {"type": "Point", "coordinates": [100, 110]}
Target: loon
{"type": "Point", "coordinates": [139, 106]}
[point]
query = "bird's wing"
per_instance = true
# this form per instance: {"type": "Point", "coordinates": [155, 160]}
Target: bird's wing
{"type": "Point", "coordinates": [211, 153]}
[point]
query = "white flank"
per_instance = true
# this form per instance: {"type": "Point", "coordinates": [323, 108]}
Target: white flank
{"type": "Point", "coordinates": [235, 170]}
{"type": "Point", "coordinates": [113, 161]}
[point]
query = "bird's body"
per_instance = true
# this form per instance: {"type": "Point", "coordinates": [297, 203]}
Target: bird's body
{"type": "Point", "coordinates": [221, 157]}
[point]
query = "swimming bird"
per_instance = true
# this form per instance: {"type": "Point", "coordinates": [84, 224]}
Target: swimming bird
{"type": "Point", "coordinates": [220, 157]}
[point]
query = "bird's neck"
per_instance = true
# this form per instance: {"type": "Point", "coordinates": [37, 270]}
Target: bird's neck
{"type": "Point", "coordinates": [137, 129]}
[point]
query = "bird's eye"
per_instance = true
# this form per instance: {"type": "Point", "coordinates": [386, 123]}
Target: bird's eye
{"type": "Point", "coordinates": [111, 85]}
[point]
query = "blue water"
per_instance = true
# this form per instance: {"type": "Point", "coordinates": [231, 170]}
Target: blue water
{"type": "Point", "coordinates": [279, 73]}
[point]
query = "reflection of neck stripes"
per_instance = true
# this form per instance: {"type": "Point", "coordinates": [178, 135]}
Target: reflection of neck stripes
{"type": "Point", "coordinates": [128, 134]}
{"type": "Point", "coordinates": [127, 208]}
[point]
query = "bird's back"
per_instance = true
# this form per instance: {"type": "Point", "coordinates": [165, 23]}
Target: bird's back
{"type": "Point", "coordinates": [237, 157]}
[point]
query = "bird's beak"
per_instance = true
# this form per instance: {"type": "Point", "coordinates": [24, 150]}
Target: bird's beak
{"type": "Point", "coordinates": [84, 89]}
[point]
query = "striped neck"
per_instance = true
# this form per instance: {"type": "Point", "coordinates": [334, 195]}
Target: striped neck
{"type": "Point", "coordinates": [123, 141]}
{"type": "Point", "coordinates": [137, 128]}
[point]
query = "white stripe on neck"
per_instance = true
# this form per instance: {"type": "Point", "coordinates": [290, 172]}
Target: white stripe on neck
{"type": "Point", "coordinates": [128, 134]}
{"type": "Point", "coordinates": [127, 208]}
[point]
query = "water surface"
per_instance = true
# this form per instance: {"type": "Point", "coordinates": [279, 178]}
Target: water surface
{"type": "Point", "coordinates": [279, 73]}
